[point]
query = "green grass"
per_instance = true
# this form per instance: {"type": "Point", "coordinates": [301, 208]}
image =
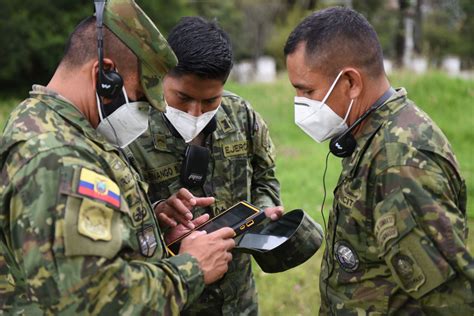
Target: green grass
{"type": "Point", "coordinates": [6, 105]}
{"type": "Point", "coordinates": [300, 163]}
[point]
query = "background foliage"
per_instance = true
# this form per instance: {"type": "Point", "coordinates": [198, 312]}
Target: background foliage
{"type": "Point", "coordinates": [34, 32]}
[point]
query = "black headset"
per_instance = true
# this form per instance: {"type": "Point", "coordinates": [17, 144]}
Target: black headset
{"type": "Point", "coordinates": [110, 83]}
{"type": "Point", "coordinates": [344, 145]}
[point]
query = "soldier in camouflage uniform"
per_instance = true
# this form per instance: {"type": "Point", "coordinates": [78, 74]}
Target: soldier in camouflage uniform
{"type": "Point", "coordinates": [241, 165]}
{"type": "Point", "coordinates": [77, 232]}
{"type": "Point", "coordinates": [396, 238]}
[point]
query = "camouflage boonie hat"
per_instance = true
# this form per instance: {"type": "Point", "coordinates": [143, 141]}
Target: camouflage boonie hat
{"type": "Point", "coordinates": [283, 244]}
{"type": "Point", "coordinates": [155, 57]}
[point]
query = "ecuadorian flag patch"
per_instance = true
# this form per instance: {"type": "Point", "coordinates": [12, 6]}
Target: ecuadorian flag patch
{"type": "Point", "coordinates": [98, 187]}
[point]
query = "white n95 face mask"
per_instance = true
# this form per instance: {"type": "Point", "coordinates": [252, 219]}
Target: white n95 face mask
{"type": "Point", "coordinates": [317, 119]}
{"type": "Point", "coordinates": [125, 124]}
{"type": "Point", "coordinates": [187, 125]}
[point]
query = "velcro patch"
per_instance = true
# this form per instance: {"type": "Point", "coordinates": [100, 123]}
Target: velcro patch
{"type": "Point", "coordinates": [98, 187]}
{"type": "Point", "coordinates": [95, 220]}
{"type": "Point", "coordinates": [235, 149]}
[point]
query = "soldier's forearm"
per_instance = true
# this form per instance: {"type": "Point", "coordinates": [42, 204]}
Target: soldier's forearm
{"type": "Point", "coordinates": [134, 287]}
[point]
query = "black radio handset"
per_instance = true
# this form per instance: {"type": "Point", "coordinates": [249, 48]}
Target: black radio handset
{"type": "Point", "coordinates": [196, 160]}
{"type": "Point", "coordinates": [344, 145]}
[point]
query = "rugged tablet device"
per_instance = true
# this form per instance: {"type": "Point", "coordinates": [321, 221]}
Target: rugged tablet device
{"type": "Point", "coordinates": [240, 217]}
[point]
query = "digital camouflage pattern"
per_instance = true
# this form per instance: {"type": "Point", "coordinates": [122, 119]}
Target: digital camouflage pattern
{"type": "Point", "coordinates": [397, 232]}
{"type": "Point", "coordinates": [133, 27]}
{"type": "Point", "coordinates": [64, 251]}
{"type": "Point", "coordinates": [241, 167]}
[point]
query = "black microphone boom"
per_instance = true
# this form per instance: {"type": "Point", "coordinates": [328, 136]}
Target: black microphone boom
{"type": "Point", "coordinates": [344, 145]}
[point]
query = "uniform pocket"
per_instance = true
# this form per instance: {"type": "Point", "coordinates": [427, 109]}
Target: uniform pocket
{"type": "Point", "coordinates": [91, 228]}
{"type": "Point", "coordinates": [416, 264]}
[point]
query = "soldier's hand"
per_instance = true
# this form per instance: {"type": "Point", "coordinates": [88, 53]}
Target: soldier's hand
{"type": "Point", "coordinates": [179, 230]}
{"type": "Point", "coordinates": [274, 212]}
{"type": "Point", "coordinates": [177, 208]}
{"type": "Point", "coordinates": [212, 251]}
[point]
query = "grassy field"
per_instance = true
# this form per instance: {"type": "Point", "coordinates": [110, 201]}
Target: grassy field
{"type": "Point", "coordinates": [300, 164]}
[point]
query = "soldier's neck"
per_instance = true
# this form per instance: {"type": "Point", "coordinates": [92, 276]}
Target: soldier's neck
{"type": "Point", "coordinates": [75, 86]}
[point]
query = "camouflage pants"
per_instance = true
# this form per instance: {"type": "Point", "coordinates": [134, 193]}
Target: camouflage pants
{"type": "Point", "coordinates": [234, 294]}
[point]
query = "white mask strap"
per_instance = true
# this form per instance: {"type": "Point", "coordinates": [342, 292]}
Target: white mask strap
{"type": "Point", "coordinates": [99, 107]}
{"type": "Point", "coordinates": [125, 94]}
{"type": "Point", "coordinates": [348, 111]}
{"type": "Point", "coordinates": [332, 87]}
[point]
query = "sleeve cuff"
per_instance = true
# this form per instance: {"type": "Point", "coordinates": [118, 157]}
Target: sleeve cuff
{"type": "Point", "coordinates": [191, 275]}
{"type": "Point", "coordinates": [263, 202]}
{"type": "Point", "coordinates": [154, 204]}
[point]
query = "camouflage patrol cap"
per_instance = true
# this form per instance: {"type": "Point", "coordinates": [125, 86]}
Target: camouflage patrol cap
{"type": "Point", "coordinates": [155, 57]}
{"type": "Point", "coordinates": [284, 244]}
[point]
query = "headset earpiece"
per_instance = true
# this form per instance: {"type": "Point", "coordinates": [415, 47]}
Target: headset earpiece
{"type": "Point", "coordinates": [343, 146]}
{"type": "Point", "coordinates": [109, 83]}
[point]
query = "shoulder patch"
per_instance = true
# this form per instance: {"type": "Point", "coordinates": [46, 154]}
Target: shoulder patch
{"type": "Point", "coordinates": [98, 187]}
{"type": "Point", "coordinates": [95, 220]}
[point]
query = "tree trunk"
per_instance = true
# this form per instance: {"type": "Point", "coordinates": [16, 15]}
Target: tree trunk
{"type": "Point", "coordinates": [418, 31]}
{"type": "Point", "coordinates": [400, 36]}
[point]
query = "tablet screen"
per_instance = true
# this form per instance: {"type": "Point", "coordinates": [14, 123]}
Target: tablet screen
{"type": "Point", "coordinates": [229, 218]}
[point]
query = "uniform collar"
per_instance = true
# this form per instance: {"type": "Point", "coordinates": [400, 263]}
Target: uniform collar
{"type": "Point", "coordinates": [373, 124]}
{"type": "Point", "coordinates": [69, 112]}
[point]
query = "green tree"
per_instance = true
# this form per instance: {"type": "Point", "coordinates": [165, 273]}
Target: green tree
{"type": "Point", "coordinates": [466, 43]}
{"type": "Point", "coordinates": [33, 37]}
{"type": "Point", "coordinates": [34, 34]}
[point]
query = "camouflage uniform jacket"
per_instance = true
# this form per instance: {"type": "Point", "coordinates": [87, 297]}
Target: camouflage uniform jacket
{"type": "Point", "coordinates": [241, 168]}
{"type": "Point", "coordinates": [78, 235]}
{"type": "Point", "coordinates": [397, 232]}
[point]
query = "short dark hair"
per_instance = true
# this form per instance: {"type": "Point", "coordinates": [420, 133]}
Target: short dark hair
{"type": "Point", "coordinates": [338, 37]}
{"type": "Point", "coordinates": [81, 47]}
{"type": "Point", "coordinates": [202, 48]}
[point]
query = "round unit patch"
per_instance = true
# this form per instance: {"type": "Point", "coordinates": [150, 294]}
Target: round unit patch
{"type": "Point", "coordinates": [346, 256]}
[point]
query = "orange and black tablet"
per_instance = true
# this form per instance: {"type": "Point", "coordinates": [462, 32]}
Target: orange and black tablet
{"type": "Point", "coordinates": [240, 217]}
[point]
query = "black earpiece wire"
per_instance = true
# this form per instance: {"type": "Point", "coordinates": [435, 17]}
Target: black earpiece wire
{"type": "Point", "coordinates": [331, 249]}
